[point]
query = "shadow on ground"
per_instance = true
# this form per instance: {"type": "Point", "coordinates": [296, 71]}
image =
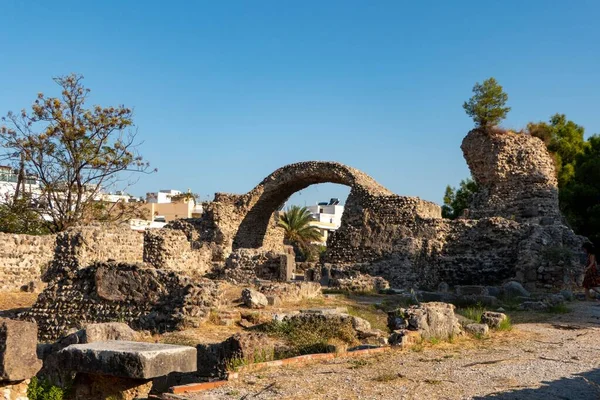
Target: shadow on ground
{"type": "Point", "coordinates": [583, 386]}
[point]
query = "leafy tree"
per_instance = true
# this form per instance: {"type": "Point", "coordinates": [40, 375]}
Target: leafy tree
{"type": "Point", "coordinates": [18, 216]}
{"type": "Point", "coordinates": [458, 200]}
{"type": "Point", "coordinates": [74, 151]}
{"type": "Point", "coordinates": [295, 223]}
{"type": "Point", "coordinates": [580, 197]}
{"type": "Point", "coordinates": [487, 106]}
{"type": "Point", "coordinates": [564, 140]}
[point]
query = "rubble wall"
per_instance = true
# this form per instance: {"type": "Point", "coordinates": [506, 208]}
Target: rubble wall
{"type": "Point", "coordinates": [144, 298]}
{"type": "Point", "coordinates": [79, 247]}
{"type": "Point", "coordinates": [170, 249]}
{"type": "Point", "coordinates": [22, 259]}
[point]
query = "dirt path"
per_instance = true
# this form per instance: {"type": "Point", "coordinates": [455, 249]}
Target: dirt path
{"type": "Point", "coordinates": [556, 359]}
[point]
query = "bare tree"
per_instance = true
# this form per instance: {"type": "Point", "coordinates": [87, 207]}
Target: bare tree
{"type": "Point", "coordinates": [75, 152]}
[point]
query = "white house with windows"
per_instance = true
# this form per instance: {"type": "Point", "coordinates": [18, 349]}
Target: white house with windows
{"type": "Point", "coordinates": [327, 217]}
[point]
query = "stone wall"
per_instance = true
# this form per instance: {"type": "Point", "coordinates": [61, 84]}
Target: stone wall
{"type": "Point", "coordinates": [22, 258]}
{"type": "Point", "coordinates": [144, 298]}
{"type": "Point", "coordinates": [247, 265]}
{"type": "Point", "coordinates": [170, 249]}
{"type": "Point", "coordinates": [79, 247]}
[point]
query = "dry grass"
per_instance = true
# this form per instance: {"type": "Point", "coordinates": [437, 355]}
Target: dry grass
{"type": "Point", "coordinates": [11, 300]}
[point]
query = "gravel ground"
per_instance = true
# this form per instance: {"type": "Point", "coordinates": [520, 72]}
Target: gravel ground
{"type": "Point", "coordinates": [556, 359]}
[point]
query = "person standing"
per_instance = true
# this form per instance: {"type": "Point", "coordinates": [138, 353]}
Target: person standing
{"type": "Point", "coordinates": [591, 278]}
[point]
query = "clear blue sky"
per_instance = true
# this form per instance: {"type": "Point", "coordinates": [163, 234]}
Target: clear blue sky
{"type": "Point", "coordinates": [226, 92]}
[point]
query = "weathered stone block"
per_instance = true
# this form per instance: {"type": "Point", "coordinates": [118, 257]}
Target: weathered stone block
{"type": "Point", "coordinates": [493, 319]}
{"type": "Point", "coordinates": [404, 338]}
{"type": "Point", "coordinates": [254, 299]}
{"type": "Point", "coordinates": [477, 329]}
{"type": "Point", "coordinates": [513, 289]}
{"type": "Point", "coordinates": [18, 343]}
{"type": "Point", "coordinates": [127, 359]}
{"type": "Point", "coordinates": [249, 346]}
{"type": "Point", "coordinates": [431, 320]}
{"type": "Point", "coordinates": [288, 267]}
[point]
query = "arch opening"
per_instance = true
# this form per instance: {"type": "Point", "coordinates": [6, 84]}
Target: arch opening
{"type": "Point", "coordinates": [258, 225]}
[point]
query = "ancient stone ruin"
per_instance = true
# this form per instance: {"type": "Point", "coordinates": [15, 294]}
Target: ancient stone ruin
{"type": "Point", "coordinates": [513, 230]}
{"type": "Point", "coordinates": [512, 239]}
{"type": "Point", "coordinates": [144, 298]}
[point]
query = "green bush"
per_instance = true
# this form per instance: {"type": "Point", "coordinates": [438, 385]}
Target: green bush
{"type": "Point", "coordinates": [43, 390]}
{"type": "Point", "coordinates": [311, 335]}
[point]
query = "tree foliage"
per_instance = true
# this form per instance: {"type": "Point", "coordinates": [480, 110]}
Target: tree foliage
{"type": "Point", "coordinates": [458, 200]}
{"type": "Point", "coordinates": [74, 151]}
{"type": "Point", "coordinates": [295, 223]}
{"type": "Point", "coordinates": [487, 107]}
{"type": "Point", "coordinates": [18, 216]}
{"type": "Point", "coordinates": [580, 196]}
{"type": "Point", "coordinates": [564, 140]}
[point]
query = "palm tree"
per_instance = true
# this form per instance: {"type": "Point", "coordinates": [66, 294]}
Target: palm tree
{"type": "Point", "coordinates": [297, 229]}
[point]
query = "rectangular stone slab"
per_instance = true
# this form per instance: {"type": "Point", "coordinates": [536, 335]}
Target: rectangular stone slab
{"type": "Point", "coordinates": [128, 359]}
{"type": "Point", "coordinates": [18, 343]}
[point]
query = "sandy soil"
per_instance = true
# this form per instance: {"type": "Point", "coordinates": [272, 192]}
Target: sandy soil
{"type": "Point", "coordinates": [555, 359]}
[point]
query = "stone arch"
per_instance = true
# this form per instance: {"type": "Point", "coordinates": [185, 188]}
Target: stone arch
{"type": "Point", "coordinates": [262, 201]}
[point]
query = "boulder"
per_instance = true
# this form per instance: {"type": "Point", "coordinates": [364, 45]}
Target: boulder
{"type": "Point", "coordinates": [404, 338]}
{"type": "Point", "coordinates": [554, 299]}
{"type": "Point", "coordinates": [125, 359]}
{"type": "Point", "coordinates": [274, 301]}
{"type": "Point", "coordinates": [493, 319]}
{"type": "Point", "coordinates": [513, 289]}
{"type": "Point", "coordinates": [248, 346]}
{"type": "Point", "coordinates": [18, 358]}
{"type": "Point", "coordinates": [477, 329]}
{"type": "Point", "coordinates": [103, 332]}
{"type": "Point", "coordinates": [254, 299]}
{"type": "Point", "coordinates": [431, 320]}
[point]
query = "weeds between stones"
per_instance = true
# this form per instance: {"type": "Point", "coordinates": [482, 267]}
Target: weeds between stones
{"type": "Point", "coordinates": [310, 336]}
{"type": "Point", "coordinates": [473, 313]}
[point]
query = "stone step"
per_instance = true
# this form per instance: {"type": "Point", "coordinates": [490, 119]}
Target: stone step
{"type": "Point", "coordinates": [125, 359]}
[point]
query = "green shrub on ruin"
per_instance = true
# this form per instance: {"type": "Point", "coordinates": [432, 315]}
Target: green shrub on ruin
{"type": "Point", "coordinates": [44, 390]}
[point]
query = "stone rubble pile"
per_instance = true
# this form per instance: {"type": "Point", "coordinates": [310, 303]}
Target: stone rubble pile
{"type": "Point", "coordinates": [145, 298]}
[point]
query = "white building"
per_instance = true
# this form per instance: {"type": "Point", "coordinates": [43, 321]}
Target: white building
{"type": "Point", "coordinates": [8, 184]}
{"type": "Point", "coordinates": [162, 196]}
{"type": "Point", "coordinates": [117, 196]}
{"type": "Point", "coordinates": [327, 217]}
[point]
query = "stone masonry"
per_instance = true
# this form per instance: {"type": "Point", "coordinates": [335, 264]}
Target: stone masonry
{"type": "Point", "coordinates": [22, 258]}
{"type": "Point", "coordinates": [514, 229]}
{"type": "Point", "coordinates": [26, 258]}
{"type": "Point", "coordinates": [78, 247]}
{"type": "Point", "coordinates": [144, 298]}
{"type": "Point", "coordinates": [170, 249]}
{"type": "Point", "coordinates": [515, 174]}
